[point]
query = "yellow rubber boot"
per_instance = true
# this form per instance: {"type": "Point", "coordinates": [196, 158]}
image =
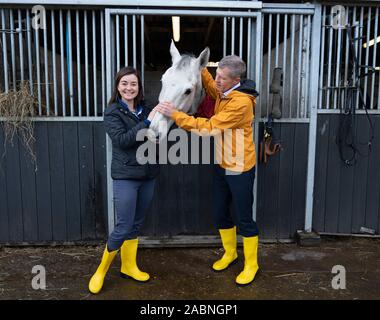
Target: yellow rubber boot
{"type": "Point", "coordinates": [229, 244]}
{"type": "Point", "coordinates": [129, 267]}
{"type": "Point", "coordinates": [250, 245]}
{"type": "Point", "coordinates": [96, 281]}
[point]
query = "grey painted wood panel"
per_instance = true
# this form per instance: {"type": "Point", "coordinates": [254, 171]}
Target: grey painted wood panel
{"type": "Point", "coordinates": [57, 181]}
{"type": "Point", "coordinates": [299, 176]}
{"type": "Point", "coordinates": [346, 198]}
{"type": "Point", "coordinates": [360, 181]}
{"type": "Point", "coordinates": [86, 174]}
{"type": "Point", "coordinates": [285, 210]}
{"type": "Point", "coordinates": [321, 161]}
{"type": "Point", "coordinates": [14, 198]}
{"type": "Point", "coordinates": [65, 198]}
{"type": "Point", "coordinates": [4, 228]}
{"type": "Point", "coordinates": [272, 171]}
{"type": "Point", "coordinates": [72, 185]}
{"type": "Point", "coordinates": [100, 177]}
{"type": "Point", "coordinates": [206, 220]}
{"type": "Point", "coordinates": [282, 183]}
{"type": "Point", "coordinates": [45, 200]}
{"type": "Point", "coordinates": [28, 192]}
{"type": "Point", "coordinates": [182, 203]}
{"type": "Point", "coordinates": [373, 180]}
{"type": "Point", "coordinates": [43, 190]}
{"type": "Point", "coordinates": [332, 180]}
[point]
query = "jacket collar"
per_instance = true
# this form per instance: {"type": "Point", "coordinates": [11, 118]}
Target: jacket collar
{"type": "Point", "coordinates": [226, 93]}
{"type": "Point", "coordinates": [125, 107]}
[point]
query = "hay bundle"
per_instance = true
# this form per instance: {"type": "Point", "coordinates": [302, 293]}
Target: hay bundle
{"type": "Point", "coordinates": [16, 112]}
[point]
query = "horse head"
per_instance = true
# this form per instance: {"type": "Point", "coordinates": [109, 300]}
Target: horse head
{"type": "Point", "coordinates": [181, 85]}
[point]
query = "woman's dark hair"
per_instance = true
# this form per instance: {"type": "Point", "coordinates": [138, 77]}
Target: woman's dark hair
{"type": "Point", "coordinates": [123, 72]}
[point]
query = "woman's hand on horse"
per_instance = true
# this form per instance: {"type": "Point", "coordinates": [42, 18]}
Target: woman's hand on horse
{"type": "Point", "coordinates": [152, 114]}
{"type": "Point", "coordinates": [166, 108]}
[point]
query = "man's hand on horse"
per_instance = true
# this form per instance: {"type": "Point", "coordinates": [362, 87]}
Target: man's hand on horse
{"type": "Point", "coordinates": [166, 108]}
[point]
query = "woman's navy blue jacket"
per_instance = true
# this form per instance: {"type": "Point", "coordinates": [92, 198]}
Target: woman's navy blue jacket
{"type": "Point", "coordinates": [122, 126]}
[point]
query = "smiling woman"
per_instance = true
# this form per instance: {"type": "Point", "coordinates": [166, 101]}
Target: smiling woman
{"type": "Point", "coordinates": [133, 183]}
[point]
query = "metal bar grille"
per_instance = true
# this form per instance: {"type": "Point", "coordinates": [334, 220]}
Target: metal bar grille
{"type": "Point", "coordinates": [60, 60]}
{"type": "Point", "coordinates": [337, 74]}
{"type": "Point", "coordinates": [236, 37]}
{"type": "Point", "coordinates": [238, 33]}
{"type": "Point", "coordinates": [286, 39]}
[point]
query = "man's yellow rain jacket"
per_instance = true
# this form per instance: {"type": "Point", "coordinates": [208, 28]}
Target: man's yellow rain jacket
{"type": "Point", "coordinates": [234, 114]}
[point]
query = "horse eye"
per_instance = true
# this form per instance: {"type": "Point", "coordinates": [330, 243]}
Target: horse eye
{"type": "Point", "coordinates": [188, 91]}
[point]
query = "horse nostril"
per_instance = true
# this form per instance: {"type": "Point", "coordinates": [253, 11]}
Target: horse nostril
{"type": "Point", "coordinates": [188, 91]}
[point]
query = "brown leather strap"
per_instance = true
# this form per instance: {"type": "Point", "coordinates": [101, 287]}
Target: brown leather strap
{"type": "Point", "coordinates": [268, 149]}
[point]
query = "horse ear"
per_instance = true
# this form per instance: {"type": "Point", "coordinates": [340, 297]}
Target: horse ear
{"type": "Point", "coordinates": [174, 53]}
{"type": "Point", "coordinates": [203, 58]}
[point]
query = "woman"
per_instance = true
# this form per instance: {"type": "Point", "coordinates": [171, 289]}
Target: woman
{"type": "Point", "coordinates": [133, 183]}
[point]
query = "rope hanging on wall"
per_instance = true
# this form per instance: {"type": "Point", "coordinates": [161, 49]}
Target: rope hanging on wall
{"type": "Point", "coordinates": [346, 139]}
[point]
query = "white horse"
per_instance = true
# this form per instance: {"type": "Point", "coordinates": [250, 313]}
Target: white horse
{"type": "Point", "coordinates": [181, 85]}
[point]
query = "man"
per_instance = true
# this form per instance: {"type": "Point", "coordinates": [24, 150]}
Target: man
{"type": "Point", "coordinates": [233, 181]}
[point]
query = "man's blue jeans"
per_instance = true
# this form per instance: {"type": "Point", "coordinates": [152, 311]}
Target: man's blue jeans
{"type": "Point", "coordinates": [237, 188]}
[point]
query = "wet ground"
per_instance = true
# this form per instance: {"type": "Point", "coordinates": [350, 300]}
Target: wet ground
{"type": "Point", "coordinates": [288, 271]}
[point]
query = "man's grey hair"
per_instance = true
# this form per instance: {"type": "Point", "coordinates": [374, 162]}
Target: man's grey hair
{"type": "Point", "coordinates": [235, 64]}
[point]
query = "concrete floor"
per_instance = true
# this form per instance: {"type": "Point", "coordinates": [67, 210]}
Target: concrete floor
{"type": "Point", "coordinates": [288, 271]}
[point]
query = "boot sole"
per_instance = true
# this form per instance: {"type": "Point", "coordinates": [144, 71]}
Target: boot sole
{"type": "Point", "coordinates": [231, 263]}
{"type": "Point", "coordinates": [125, 276]}
{"type": "Point", "coordinates": [247, 284]}
{"type": "Point", "coordinates": [94, 293]}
